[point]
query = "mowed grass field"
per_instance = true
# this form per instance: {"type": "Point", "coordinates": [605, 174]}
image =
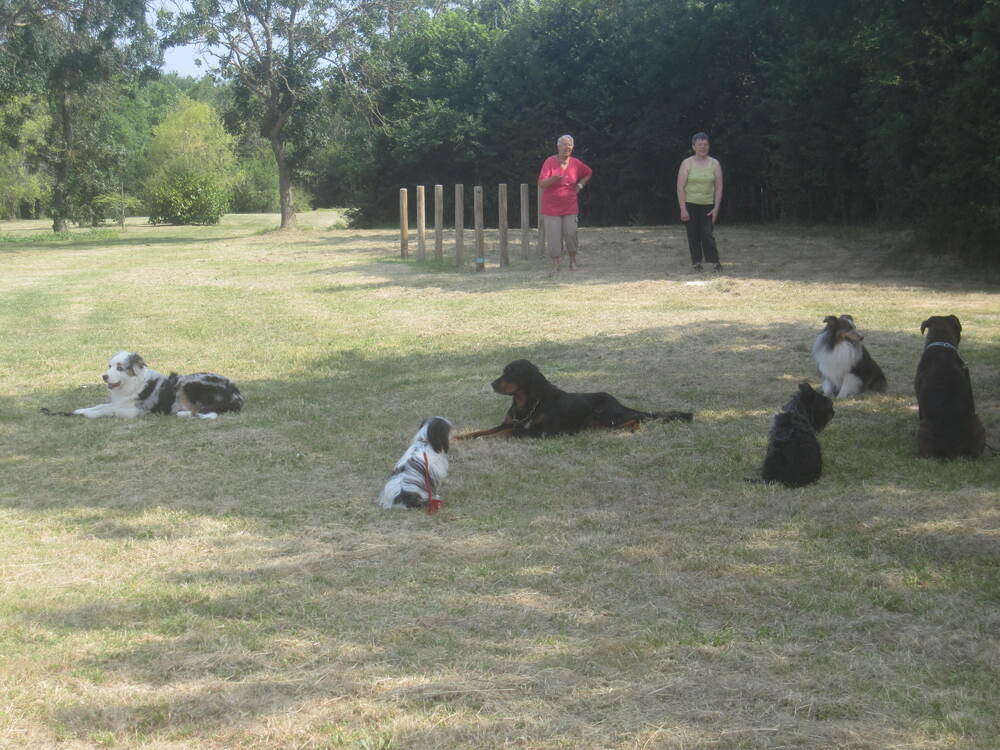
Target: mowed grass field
{"type": "Point", "coordinates": [172, 583]}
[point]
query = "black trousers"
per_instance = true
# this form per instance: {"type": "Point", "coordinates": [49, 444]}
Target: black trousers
{"type": "Point", "coordinates": [701, 241]}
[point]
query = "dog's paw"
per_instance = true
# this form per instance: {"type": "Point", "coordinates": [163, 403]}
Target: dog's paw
{"type": "Point", "coordinates": [207, 415]}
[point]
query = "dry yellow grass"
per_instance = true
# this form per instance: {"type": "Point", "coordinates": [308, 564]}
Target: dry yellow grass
{"type": "Point", "coordinates": [180, 584]}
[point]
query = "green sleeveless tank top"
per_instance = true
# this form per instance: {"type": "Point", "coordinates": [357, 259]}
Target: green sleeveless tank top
{"type": "Point", "coordinates": [700, 186]}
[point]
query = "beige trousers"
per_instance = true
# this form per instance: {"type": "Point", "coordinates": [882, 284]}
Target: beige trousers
{"type": "Point", "coordinates": [560, 230]}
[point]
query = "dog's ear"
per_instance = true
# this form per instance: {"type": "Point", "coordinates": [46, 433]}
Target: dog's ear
{"type": "Point", "coordinates": [135, 363]}
{"type": "Point", "coordinates": [953, 319]}
{"type": "Point", "coordinates": [848, 318]}
{"type": "Point", "coordinates": [438, 433]}
{"type": "Point", "coordinates": [924, 325]}
{"type": "Point", "coordinates": [536, 381]}
{"type": "Point", "coordinates": [830, 321]}
{"type": "Point", "coordinates": [805, 389]}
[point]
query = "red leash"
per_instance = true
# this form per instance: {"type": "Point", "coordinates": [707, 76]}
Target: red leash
{"type": "Point", "coordinates": [433, 503]}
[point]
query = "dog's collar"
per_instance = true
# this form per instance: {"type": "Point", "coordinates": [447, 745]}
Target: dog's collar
{"type": "Point", "coordinates": [947, 345]}
{"type": "Point", "coordinates": [527, 418]}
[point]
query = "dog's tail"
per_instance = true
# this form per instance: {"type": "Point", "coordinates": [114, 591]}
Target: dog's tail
{"type": "Point", "coordinates": [670, 416]}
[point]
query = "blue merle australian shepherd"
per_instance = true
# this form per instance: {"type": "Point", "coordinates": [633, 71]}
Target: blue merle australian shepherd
{"type": "Point", "coordinates": [136, 390]}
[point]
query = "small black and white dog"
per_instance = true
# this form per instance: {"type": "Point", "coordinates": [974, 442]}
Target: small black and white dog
{"type": "Point", "coordinates": [793, 455]}
{"type": "Point", "coordinates": [843, 361]}
{"type": "Point", "coordinates": [949, 426]}
{"type": "Point", "coordinates": [417, 475]}
{"type": "Point", "coordinates": [137, 390]}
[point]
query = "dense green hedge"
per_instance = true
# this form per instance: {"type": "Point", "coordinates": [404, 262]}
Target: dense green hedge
{"type": "Point", "coordinates": [848, 111]}
{"type": "Point", "coordinates": [188, 199]}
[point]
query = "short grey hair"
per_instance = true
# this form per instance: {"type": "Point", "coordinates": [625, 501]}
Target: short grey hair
{"type": "Point", "coordinates": [566, 137]}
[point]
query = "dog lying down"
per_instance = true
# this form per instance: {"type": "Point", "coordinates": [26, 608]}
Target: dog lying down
{"type": "Point", "coordinates": [540, 409]}
{"type": "Point", "coordinates": [416, 477]}
{"type": "Point", "coordinates": [136, 390]}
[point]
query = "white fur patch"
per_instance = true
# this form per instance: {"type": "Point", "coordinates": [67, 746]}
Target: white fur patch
{"type": "Point", "coordinates": [835, 364]}
{"type": "Point", "coordinates": [412, 474]}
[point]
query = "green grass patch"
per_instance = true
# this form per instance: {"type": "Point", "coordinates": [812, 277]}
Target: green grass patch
{"type": "Point", "coordinates": [185, 583]}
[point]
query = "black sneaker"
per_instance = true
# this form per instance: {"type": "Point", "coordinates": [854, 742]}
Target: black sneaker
{"type": "Point", "coordinates": [718, 267]}
{"type": "Point", "coordinates": [697, 267]}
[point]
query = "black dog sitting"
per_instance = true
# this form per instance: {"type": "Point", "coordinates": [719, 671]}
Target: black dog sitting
{"type": "Point", "coordinates": [949, 426]}
{"type": "Point", "coordinates": [539, 409]}
{"type": "Point", "coordinates": [793, 455]}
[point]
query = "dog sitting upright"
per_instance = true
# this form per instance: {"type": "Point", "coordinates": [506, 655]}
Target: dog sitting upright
{"type": "Point", "coordinates": [843, 361]}
{"type": "Point", "coordinates": [793, 455]}
{"type": "Point", "coordinates": [949, 426]}
{"type": "Point", "coordinates": [415, 479]}
{"type": "Point", "coordinates": [136, 390]}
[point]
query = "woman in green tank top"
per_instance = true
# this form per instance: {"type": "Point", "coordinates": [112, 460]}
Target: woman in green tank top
{"type": "Point", "coordinates": [699, 193]}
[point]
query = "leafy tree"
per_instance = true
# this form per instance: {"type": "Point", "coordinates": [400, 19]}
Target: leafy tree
{"type": "Point", "coordinates": [24, 183]}
{"type": "Point", "coordinates": [72, 46]}
{"type": "Point", "coordinates": [191, 138]}
{"type": "Point", "coordinates": [276, 50]}
{"type": "Point", "coordinates": [195, 168]}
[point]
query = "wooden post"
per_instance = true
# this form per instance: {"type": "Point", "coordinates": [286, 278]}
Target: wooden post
{"type": "Point", "coordinates": [541, 225]}
{"type": "Point", "coordinates": [480, 239]}
{"type": "Point", "coordinates": [421, 225]}
{"type": "Point", "coordinates": [404, 224]}
{"type": "Point", "coordinates": [502, 225]}
{"type": "Point", "coordinates": [459, 225]}
{"type": "Point", "coordinates": [525, 220]}
{"type": "Point", "coordinates": [438, 222]}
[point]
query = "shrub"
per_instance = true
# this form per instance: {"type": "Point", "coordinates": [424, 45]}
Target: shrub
{"type": "Point", "coordinates": [188, 199]}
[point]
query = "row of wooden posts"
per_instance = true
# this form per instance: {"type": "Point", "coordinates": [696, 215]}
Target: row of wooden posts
{"type": "Point", "coordinates": [404, 224]}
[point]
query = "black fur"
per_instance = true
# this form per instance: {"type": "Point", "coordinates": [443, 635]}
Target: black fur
{"type": "Point", "coordinates": [794, 457]}
{"type": "Point", "coordinates": [165, 396]}
{"type": "Point", "coordinates": [207, 391]}
{"type": "Point", "coordinates": [949, 426]}
{"type": "Point", "coordinates": [540, 409]}
{"type": "Point", "coordinates": [438, 433]}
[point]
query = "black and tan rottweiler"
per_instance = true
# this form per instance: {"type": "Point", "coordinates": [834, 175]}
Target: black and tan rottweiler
{"type": "Point", "coordinates": [540, 409]}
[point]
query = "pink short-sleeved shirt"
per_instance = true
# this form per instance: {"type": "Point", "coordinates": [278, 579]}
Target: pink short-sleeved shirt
{"type": "Point", "coordinates": [560, 199]}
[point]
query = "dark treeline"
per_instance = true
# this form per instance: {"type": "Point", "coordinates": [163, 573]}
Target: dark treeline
{"type": "Point", "coordinates": [851, 112]}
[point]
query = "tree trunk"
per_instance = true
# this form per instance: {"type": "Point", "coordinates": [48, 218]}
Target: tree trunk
{"type": "Point", "coordinates": [59, 197]}
{"type": "Point", "coordinates": [284, 181]}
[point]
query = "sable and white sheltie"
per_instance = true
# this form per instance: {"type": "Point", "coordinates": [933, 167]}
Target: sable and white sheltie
{"type": "Point", "coordinates": [415, 479]}
{"type": "Point", "coordinates": [843, 361]}
{"type": "Point", "coordinates": [137, 390]}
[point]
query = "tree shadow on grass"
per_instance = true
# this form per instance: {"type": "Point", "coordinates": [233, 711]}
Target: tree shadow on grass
{"type": "Point", "coordinates": [107, 243]}
{"type": "Point", "coordinates": [613, 255]}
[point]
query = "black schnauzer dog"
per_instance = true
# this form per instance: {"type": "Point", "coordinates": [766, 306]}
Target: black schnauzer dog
{"type": "Point", "coordinates": [793, 455]}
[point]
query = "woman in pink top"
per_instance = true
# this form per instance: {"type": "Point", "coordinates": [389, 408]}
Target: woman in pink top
{"type": "Point", "coordinates": [562, 177]}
